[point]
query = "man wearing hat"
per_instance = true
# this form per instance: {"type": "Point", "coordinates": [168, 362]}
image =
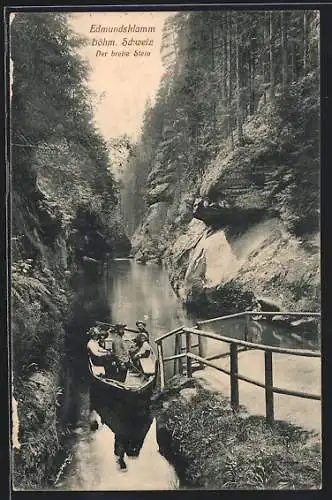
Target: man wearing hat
{"type": "Point", "coordinates": [141, 327]}
{"type": "Point", "coordinates": [142, 348]}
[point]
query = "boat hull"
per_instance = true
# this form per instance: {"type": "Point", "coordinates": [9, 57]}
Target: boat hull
{"type": "Point", "coordinates": [109, 389]}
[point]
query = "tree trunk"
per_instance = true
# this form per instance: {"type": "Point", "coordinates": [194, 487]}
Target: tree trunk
{"type": "Point", "coordinates": [249, 81]}
{"type": "Point", "coordinates": [213, 93]}
{"type": "Point", "coordinates": [284, 53]}
{"type": "Point", "coordinates": [282, 33]}
{"type": "Point", "coordinates": [305, 41]}
{"type": "Point", "coordinates": [271, 58]}
{"type": "Point", "coordinates": [263, 56]}
{"type": "Point", "coordinates": [293, 72]}
{"type": "Point", "coordinates": [253, 52]}
{"type": "Point", "coordinates": [212, 43]}
{"type": "Point", "coordinates": [224, 58]}
{"type": "Point", "coordinates": [229, 59]}
{"type": "Point", "coordinates": [238, 86]}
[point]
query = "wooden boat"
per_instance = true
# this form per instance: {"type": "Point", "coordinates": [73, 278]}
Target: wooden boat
{"type": "Point", "coordinates": [138, 383]}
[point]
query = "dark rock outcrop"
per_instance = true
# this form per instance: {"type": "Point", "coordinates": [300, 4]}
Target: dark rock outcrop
{"type": "Point", "coordinates": [218, 214]}
{"type": "Point", "coordinates": [217, 272]}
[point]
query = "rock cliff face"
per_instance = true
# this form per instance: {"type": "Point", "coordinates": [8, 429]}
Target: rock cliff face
{"type": "Point", "coordinates": [41, 260]}
{"type": "Point", "coordinates": [229, 236]}
{"type": "Point", "coordinates": [219, 272]}
{"type": "Point", "coordinates": [239, 154]}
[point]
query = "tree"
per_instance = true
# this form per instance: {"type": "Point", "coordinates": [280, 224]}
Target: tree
{"type": "Point", "coordinates": [223, 70]}
{"type": "Point", "coordinates": [53, 133]}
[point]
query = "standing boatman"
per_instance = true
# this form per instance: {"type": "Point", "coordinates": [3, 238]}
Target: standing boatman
{"type": "Point", "coordinates": [120, 351]}
{"type": "Point", "coordinates": [141, 327]}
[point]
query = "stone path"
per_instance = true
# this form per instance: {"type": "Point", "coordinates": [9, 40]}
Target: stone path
{"type": "Point", "coordinates": [289, 372]}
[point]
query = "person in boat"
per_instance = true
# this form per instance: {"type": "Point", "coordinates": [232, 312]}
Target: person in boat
{"type": "Point", "coordinates": [102, 337]}
{"type": "Point", "coordinates": [142, 348]}
{"type": "Point", "coordinates": [120, 351]}
{"type": "Point", "coordinates": [141, 327]}
{"type": "Point", "coordinates": [98, 354]}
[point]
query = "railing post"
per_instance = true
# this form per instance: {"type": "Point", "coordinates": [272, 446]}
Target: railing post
{"type": "Point", "coordinates": [234, 379]}
{"type": "Point", "coordinates": [176, 351]}
{"type": "Point", "coordinates": [188, 348]}
{"type": "Point", "coordinates": [161, 365]}
{"type": "Point", "coordinates": [246, 329]}
{"type": "Point", "coordinates": [269, 387]}
{"type": "Point", "coordinates": [180, 364]}
{"type": "Point", "coordinates": [200, 347]}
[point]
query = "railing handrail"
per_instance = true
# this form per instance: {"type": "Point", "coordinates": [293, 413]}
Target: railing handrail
{"type": "Point", "coordinates": [219, 318]}
{"type": "Point", "coordinates": [239, 315]}
{"type": "Point", "coordinates": [277, 390]}
{"type": "Point", "coordinates": [168, 334]}
{"type": "Point", "coordinates": [231, 340]}
{"type": "Point", "coordinates": [259, 313]}
{"type": "Point", "coordinates": [233, 372]}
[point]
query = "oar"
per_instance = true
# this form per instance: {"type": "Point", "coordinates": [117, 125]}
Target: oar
{"type": "Point", "coordinates": [136, 369]}
{"type": "Point", "coordinates": [101, 323]}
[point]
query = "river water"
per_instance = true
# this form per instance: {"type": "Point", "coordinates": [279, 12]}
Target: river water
{"type": "Point", "coordinates": [123, 291]}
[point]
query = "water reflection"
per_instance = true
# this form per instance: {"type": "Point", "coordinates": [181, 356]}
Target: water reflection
{"type": "Point", "coordinates": [143, 291]}
{"type": "Point", "coordinates": [106, 429]}
{"type": "Point", "coordinates": [129, 424]}
{"type": "Point", "coordinates": [109, 431]}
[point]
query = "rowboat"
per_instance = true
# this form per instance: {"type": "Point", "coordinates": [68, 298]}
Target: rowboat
{"type": "Point", "coordinates": [140, 381]}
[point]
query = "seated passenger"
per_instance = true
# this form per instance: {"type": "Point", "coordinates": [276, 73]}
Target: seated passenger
{"type": "Point", "coordinates": [142, 350]}
{"type": "Point", "coordinates": [95, 350]}
{"type": "Point", "coordinates": [102, 337]}
{"type": "Point", "coordinates": [98, 354]}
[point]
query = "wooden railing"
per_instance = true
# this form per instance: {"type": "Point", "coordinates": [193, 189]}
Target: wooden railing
{"type": "Point", "coordinates": [234, 347]}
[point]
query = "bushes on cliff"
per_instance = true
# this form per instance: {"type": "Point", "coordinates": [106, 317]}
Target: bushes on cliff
{"type": "Point", "coordinates": [39, 307]}
{"type": "Point", "coordinates": [228, 298]}
{"type": "Point", "coordinates": [40, 435]}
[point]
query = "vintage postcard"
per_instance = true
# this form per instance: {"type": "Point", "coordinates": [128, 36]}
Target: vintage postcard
{"type": "Point", "coordinates": [165, 250]}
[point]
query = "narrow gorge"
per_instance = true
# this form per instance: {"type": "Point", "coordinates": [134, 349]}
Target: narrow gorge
{"type": "Point", "coordinates": [226, 173]}
{"type": "Point", "coordinates": [207, 205]}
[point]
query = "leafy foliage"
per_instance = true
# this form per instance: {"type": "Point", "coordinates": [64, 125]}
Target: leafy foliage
{"type": "Point", "coordinates": [54, 138]}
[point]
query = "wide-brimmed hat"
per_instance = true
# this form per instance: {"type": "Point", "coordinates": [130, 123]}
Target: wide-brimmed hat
{"type": "Point", "coordinates": [120, 325]}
